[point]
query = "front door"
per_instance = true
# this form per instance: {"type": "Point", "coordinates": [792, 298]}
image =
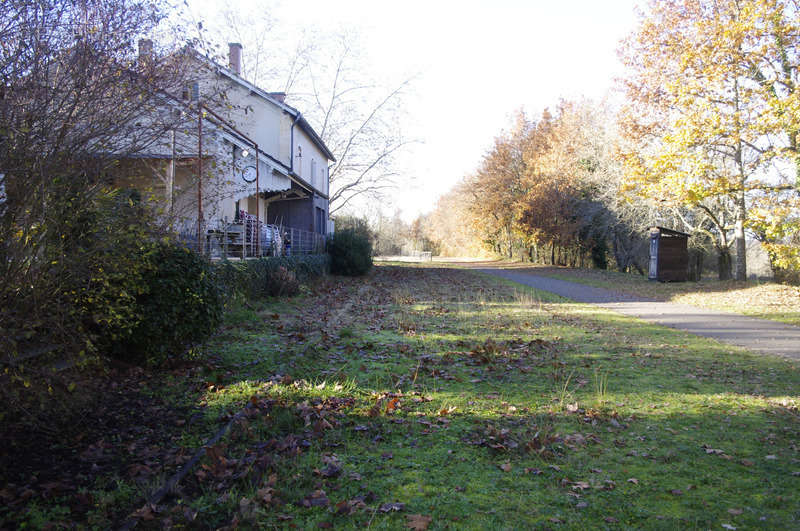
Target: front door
{"type": "Point", "coordinates": [653, 272]}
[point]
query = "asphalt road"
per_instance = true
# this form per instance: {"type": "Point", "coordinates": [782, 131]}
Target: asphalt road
{"type": "Point", "coordinates": [758, 335]}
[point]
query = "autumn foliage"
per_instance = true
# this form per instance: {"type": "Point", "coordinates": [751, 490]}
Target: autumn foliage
{"type": "Point", "coordinates": [713, 119]}
{"type": "Point", "coordinates": [548, 191]}
{"type": "Point", "coordinates": [705, 142]}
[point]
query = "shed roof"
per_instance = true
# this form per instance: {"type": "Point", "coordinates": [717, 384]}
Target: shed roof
{"type": "Point", "coordinates": [669, 232]}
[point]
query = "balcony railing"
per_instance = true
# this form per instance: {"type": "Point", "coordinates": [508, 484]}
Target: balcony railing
{"type": "Point", "coordinates": [247, 237]}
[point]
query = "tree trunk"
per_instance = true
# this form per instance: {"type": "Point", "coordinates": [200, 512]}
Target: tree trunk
{"type": "Point", "coordinates": [741, 244]}
{"type": "Point", "coordinates": [553, 253]}
{"type": "Point", "coordinates": [724, 264]}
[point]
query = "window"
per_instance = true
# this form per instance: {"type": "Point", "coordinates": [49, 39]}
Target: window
{"type": "Point", "coordinates": [320, 220]}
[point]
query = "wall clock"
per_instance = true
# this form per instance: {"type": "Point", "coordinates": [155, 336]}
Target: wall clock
{"type": "Point", "coordinates": [249, 174]}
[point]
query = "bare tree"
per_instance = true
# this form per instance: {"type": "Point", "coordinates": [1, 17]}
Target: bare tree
{"type": "Point", "coordinates": [76, 102]}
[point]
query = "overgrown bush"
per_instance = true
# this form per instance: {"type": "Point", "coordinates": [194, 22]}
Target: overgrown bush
{"type": "Point", "coordinates": [282, 282]}
{"type": "Point", "coordinates": [71, 281]}
{"type": "Point", "coordinates": [351, 252]}
{"type": "Point", "coordinates": [268, 277]}
{"type": "Point", "coordinates": [180, 306]}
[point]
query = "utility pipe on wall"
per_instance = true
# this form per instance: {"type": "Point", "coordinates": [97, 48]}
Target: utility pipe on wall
{"type": "Point", "coordinates": [258, 217]}
{"type": "Point", "coordinates": [200, 246]}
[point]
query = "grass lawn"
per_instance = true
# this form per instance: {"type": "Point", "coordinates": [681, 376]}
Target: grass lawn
{"type": "Point", "coordinates": [434, 397]}
{"type": "Point", "coordinates": [767, 300]}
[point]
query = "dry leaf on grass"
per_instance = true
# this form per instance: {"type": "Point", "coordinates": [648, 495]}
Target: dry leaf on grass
{"type": "Point", "coordinates": [418, 522]}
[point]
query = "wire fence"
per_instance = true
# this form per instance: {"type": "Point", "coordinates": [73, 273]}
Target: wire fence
{"type": "Point", "coordinates": [247, 237]}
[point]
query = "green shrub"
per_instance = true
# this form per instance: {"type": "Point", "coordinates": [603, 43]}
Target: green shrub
{"type": "Point", "coordinates": [180, 307]}
{"type": "Point", "coordinates": [351, 252]}
{"type": "Point", "coordinates": [268, 277]}
{"type": "Point", "coordinates": [282, 282]}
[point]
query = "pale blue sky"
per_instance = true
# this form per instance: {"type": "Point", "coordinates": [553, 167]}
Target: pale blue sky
{"type": "Point", "coordinates": [476, 63]}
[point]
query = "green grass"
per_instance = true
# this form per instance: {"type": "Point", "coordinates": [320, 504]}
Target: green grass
{"type": "Point", "coordinates": [604, 421]}
{"type": "Point", "coordinates": [485, 405]}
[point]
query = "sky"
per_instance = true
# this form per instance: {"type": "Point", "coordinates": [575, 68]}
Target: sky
{"type": "Point", "coordinates": [473, 63]}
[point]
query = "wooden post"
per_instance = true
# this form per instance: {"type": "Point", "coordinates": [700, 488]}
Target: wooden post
{"type": "Point", "coordinates": [171, 178]}
{"type": "Point", "coordinates": [200, 243]}
{"type": "Point", "coordinates": [258, 216]}
{"type": "Point", "coordinates": [225, 237]}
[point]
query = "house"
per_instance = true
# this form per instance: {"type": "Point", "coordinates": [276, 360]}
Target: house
{"type": "Point", "coordinates": [264, 182]}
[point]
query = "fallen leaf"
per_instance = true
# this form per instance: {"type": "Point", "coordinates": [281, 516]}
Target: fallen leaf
{"type": "Point", "coordinates": [634, 481]}
{"type": "Point", "coordinates": [610, 519]}
{"type": "Point", "coordinates": [145, 512]}
{"type": "Point", "coordinates": [676, 492]}
{"type": "Point", "coordinates": [318, 498]}
{"type": "Point", "coordinates": [265, 495]}
{"type": "Point", "coordinates": [506, 467]}
{"type": "Point", "coordinates": [735, 512]}
{"type": "Point", "coordinates": [330, 471]}
{"type": "Point", "coordinates": [418, 522]}
{"type": "Point", "coordinates": [392, 405]}
{"type": "Point", "coordinates": [446, 411]}
{"type": "Point", "coordinates": [728, 526]}
{"type": "Point", "coordinates": [392, 507]}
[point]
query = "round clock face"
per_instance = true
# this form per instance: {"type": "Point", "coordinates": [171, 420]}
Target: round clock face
{"type": "Point", "coordinates": [249, 174]}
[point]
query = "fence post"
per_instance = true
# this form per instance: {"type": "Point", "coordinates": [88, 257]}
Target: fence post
{"type": "Point", "coordinates": [225, 237]}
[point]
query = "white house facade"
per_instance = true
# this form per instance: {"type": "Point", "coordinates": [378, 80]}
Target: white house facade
{"type": "Point", "coordinates": [261, 181]}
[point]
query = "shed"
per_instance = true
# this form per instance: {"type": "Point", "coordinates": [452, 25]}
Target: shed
{"type": "Point", "coordinates": [669, 255]}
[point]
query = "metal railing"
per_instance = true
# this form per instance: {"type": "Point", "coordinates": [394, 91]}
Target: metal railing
{"type": "Point", "coordinates": [246, 237]}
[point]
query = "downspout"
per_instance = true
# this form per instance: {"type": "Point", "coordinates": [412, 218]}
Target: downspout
{"type": "Point", "coordinates": [291, 141]}
{"type": "Point", "coordinates": [200, 245]}
{"type": "Point", "coordinates": [258, 215]}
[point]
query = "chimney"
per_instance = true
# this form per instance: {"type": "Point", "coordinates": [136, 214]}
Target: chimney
{"type": "Point", "coordinates": [145, 51]}
{"type": "Point", "coordinates": [280, 96]}
{"type": "Point", "coordinates": [235, 57]}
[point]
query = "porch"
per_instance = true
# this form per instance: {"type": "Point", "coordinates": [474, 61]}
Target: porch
{"type": "Point", "coordinates": [246, 237]}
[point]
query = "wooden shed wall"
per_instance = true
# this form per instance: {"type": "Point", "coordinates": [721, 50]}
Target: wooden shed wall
{"type": "Point", "coordinates": [673, 259]}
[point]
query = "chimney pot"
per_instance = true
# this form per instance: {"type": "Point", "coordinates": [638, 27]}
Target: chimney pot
{"type": "Point", "coordinates": [235, 57]}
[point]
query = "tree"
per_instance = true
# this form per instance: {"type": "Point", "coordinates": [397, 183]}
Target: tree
{"type": "Point", "coordinates": [549, 182]}
{"type": "Point", "coordinates": [711, 85]}
{"type": "Point", "coordinates": [75, 100]}
{"type": "Point", "coordinates": [450, 226]}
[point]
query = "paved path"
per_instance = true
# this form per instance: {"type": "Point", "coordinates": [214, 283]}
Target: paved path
{"type": "Point", "coordinates": [758, 335]}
